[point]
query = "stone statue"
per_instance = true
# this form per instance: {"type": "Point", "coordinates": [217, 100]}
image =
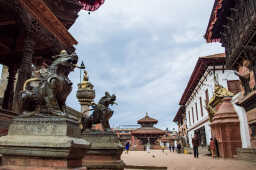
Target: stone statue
{"type": "Point", "coordinates": [46, 92]}
{"type": "Point", "coordinates": [101, 113]}
{"type": "Point", "coordinates": [244, 75]}
{"type": "Point", "coordinates": [219, 93]}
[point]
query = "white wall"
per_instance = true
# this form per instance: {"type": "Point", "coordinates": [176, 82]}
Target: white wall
{"type": "Point", "coordinates": [208, 83]}
{"type": "Point", "coordinates": [244, 129]}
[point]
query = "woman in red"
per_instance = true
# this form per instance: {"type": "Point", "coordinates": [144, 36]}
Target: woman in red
{"type": "Point", "coordinates": [212, 147]}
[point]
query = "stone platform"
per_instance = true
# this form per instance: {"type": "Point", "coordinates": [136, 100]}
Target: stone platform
{"type": "Point", "coordinates": [246, 154]}
{"type": "Point", "coordinates": [105, 150]}
{"type": "Point", "coordinates": [48, 143]}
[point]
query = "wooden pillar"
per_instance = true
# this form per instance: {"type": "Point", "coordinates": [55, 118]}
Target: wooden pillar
{"type": "Point", "coordinates": [25, 70]}
{"type": "Point", "coordinates": [9, 91]}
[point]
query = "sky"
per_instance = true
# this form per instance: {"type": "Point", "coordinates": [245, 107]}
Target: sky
{"type": "Point", "coordinates": [144, 51]}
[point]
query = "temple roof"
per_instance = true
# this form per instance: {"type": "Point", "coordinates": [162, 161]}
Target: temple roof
{"type": "Point", "coordinates": [148, 131]}
{"type": "Point", "coordinates": [218, 18]}
{"type": "Point", "coordinates": [147, 119]}
{"type": "Point", "coordinates": [179, 114]}
{"type": "Point", "coordinates": [199, 70]}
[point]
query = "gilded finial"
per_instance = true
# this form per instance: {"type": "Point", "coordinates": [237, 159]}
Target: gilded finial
{"type": "Point", "coordinates": [63, 52]}
{"type": "Point", "coordinates": [85, 84]}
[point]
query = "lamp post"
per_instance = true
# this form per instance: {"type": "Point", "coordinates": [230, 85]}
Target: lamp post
{"type": "Point", "coordinates": [81, 67]}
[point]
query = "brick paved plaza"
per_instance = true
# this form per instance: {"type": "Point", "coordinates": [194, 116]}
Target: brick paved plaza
{"type": "Point", "coordinates": [175, 161]}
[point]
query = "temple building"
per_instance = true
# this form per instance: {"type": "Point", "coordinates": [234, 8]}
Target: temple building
{"type": "Point", "coordinates": [147, 133]}
{"type": "Point", "coordinates": [180, 119]}
{"type": "Point", "coordinates": [193, 116]}
{"type": "Point", "coordinates": [124, 133]}
{"type": "Point", "coordinates": [31, 33]}
{"type": "Point", "coordinates": [232, 23]}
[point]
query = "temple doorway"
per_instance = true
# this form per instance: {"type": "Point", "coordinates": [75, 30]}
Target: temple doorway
{"type": "Point", "coordinates": [202, 136]}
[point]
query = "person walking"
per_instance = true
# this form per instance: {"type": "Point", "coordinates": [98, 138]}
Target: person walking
{"type": "Point", "coordinates": [173, 148]}
{"type": "Point", "coordinates": [179, 148]}
{"type": "Point", "coordinates": [212, 148]}
{"type": "Point", "coordinates": [127, 146]}
{"type": "Point", "coordinates": [170, 148]}
{"type": "Point", "coordinates": [216, 147]}
{"type": "Point", "coordinates": [195, 142]}
{"type": "Point", "coordinates": [162, 147]}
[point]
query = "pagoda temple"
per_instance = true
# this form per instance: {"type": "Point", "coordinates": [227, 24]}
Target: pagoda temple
{"type": "Point", "coordinates": [147, 133]}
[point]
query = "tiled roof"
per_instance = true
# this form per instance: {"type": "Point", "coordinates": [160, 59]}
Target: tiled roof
{"type": "Point", "coordinates": [148, 131]}
{"type": "Point", "coordinates": [147, 119]}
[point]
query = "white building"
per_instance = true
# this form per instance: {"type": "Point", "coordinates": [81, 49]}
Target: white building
{"type": "Point", "coordinates": [200, 89]}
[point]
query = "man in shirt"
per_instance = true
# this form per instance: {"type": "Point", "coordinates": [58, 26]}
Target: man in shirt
{"type": "Point", "coordinates": [195, 142]}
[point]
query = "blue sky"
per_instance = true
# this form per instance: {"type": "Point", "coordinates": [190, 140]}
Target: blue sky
{"type": "Point", "coordinates": [144, 51]}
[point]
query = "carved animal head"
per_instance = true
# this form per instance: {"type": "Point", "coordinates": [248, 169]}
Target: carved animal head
{"type": "Point", "coordinates": [65, 62]}
{"type": "Point", "coordinates": [108, 99]}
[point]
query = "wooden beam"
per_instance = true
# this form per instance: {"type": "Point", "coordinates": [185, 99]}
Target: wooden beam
{"type": "Point", "coordinates": [48, 20]}
{"type": "Point", "coordinates": [7, 22]}
{"type": "Point", "coordinates": [4, 46]}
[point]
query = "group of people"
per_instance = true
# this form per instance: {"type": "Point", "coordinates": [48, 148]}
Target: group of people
{"type": "Point", "coordinates": [195, 142]}
{"type": "Point", "coordinates": [213, 146]}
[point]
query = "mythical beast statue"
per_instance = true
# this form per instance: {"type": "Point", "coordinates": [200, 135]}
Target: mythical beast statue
{"type": "Point", "coordinates": [101, 112]}
{"type": "Point", "coordinates": [46, 92]}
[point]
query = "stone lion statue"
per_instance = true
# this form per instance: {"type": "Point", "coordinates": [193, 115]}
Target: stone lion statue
{"type": "Point", "coordinates": [46, 92]}
{"type": "Point", "coordinates": [101, 112]}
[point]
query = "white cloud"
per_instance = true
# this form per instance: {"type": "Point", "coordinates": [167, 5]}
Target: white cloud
{"type": "Point", "coordinates": [144, 51]}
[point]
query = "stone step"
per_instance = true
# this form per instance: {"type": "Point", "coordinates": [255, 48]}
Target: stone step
{"type": "Point", "coordinates": [246, 154]}
{"type": "Point", "coordinates": [132, 167]}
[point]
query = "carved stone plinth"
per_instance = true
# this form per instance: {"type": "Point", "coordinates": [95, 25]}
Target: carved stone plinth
{"type": "Point", "coordinates": [105, 151]}
{"type": "Point", "coordinates": [47, 143]}
{"type": "Point", "coordinates": [85, 97]}
{"type": "Point", "coordinates": [226, 129]}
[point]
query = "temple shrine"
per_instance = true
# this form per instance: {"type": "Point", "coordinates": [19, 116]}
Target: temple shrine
{"type": "Point", "coordinates": [232, 23]}
{"type": "Point", "coordinates": [147, 134]}
{"type": "Point", "coordinates": [32, 32]}
{"type": "Point", "coordinates": [34, 37]}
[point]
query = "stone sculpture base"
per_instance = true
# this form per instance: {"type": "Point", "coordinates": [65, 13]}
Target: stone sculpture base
{"type": "Point", "coordinates": [105, 151]}
{"type": "Point", "coordinates": [46, 143]}
{"type": "Point", "coordinates": [226, 129]}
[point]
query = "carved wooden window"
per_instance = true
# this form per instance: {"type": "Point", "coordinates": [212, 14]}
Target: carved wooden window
{"type": "Point", "coordinates": [196, 111]}
{"type": "Point", "coordinates": [201, 107]}
{"type": "Point", "coordinates": [251, 8]}
{"type": "Point", "coordinates": [193, 115]}
{"type": "Point", "coordinates": [234, 86]}
{"type": "Point", "coordinates": [206, 97]}
{"type": "Point", "coordinates": [253, 5]}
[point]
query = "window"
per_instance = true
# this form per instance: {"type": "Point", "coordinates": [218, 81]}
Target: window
{"type": "Point", "coordinates": [201, 107]}
{"type": "Point", "coordinates": [196, 111]}
{"type": "Point", "coordinates": [189, 118]}
{"type": "Point", "coordinates": [193, 115]}
{"type": "Point", "coordinates": [206, 97]}
{"type": "Point", "coordinates": [234, 86]}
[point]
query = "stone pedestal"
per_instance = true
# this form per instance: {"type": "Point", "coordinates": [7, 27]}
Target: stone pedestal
{"type": "Point", "coordinates": [85, 97]}
{"type": "Point", "coordinates": [226, 128]}
{"type": "Point", "coordinates": [105, 151]}
{"type": "Point", "coordinates": [46, 143]}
